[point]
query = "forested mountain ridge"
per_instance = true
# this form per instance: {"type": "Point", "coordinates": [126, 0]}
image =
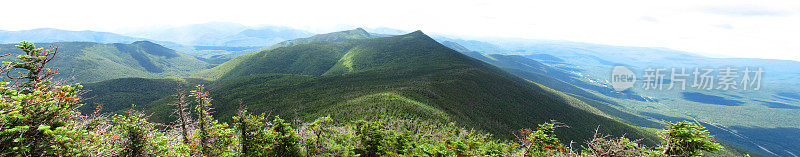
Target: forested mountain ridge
{"type": "Point", "coordinates": [93, 62]}
{"type": "Point", "coordinates": [408, 87]}
{"type": "Point", "coordinates": [407, 76]}
{"type": "Point", "coordinates": [358, 33]}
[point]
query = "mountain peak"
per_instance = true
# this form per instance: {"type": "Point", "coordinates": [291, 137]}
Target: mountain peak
{"type": "Point", "coordinates": [143, 42]}
{"type": "Point", "coordinates": [358, 32]}
{"type": "Point", "coordinates": [419, 35]}
{"type": "Point", "coordinates": [418, 32]}
{"type": "Point", "coordinates": [360, 29]}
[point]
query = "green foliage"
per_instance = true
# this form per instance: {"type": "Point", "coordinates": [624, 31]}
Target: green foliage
{"type": "Point", "coordinates": [35, 115]}
{"type": "Point", "coordinates": [543, 141]}
{"type": "Point", "coordinates": [607, 146]}
{"type": "Point", "coordinates": [320, 130]}
{"type": "Point", "coordinates": [313, 61]}
{"type": "Point", "coordinates": [168, 143]}
{"type": "Point", "coordinates": [373, 140]}
{"type": "Point", "coordinates": [687, 139]}
{"type": "Point", "coordinates": [254, 139]}
{"type": "Point", "coordinates": [149, 95]}
{"type": "Point", "coordinates": [286, 140]}
{"type": "Point", "coordinates": [135, 133]}
{"type": "Point", "coordinates": [214, 137]}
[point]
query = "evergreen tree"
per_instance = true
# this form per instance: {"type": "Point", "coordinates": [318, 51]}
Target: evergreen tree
{"type": "Point", "coordinates": [373, 139]}
{"type": "Point", "coordinates": [320, 128]}
{"type": "Point", "coordinates": [542, 141]}
{"type": "Point", "coordinates": [253, 138]}
{"type": "Point", "coordinates": [36, 114]}
{"type": "Point", "coordinates": [136, 133]}
{"type": "Point", "coordinates": [687, 139]}
{"type": "Point", "coordinates": [215, 138]}
{"type": "Point", "coordinates": [287, 143]}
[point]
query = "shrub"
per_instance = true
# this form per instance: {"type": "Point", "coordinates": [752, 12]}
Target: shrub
{"type": "Point", "coordinates": [215, 138]}
{"type": "Point", "coordinates": [253, 138]}
{"type": "Point", "coordinates": [686, 139]}
{"type": "Point", "coordinates": [135, 133]}
{"type": "Point", "coordinates": [542, 141]}
{"type": "Point", "coordinates": [286, 140]}
{"type": "Point", "coordinates": [605, 145]}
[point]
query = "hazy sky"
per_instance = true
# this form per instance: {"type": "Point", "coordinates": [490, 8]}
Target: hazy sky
{"type": "Point", "coordinates": [727, 28]}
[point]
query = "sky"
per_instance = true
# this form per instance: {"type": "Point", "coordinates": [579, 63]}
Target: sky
{"type": "Point", "coordinates": [715, 28]}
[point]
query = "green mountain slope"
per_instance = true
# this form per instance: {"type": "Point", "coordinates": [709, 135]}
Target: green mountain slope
{"type": "Point", "coordinates": [92, 62]}
{"type": "Point", "coordinates": [408, 76]}
{"type": "Point", "coordinates": [232, 60]}
{"type": "Point", "coordinates": [739, 114]}
{"type": "Point", "coordinates": [570, 81]}
{"type": "Point", "coordinates": [329, 37]}
{"type": "Point", "coordinates": [358, 33]}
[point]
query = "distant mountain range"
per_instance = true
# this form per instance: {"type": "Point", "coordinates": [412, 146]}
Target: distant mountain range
{"type": "Point", "coordinates": [200, 40]}
{"type": "Point", "coordinates": [47, 35]}
{"type": "Point", "coordinates": [224, 34]}
{"type": "Point", "coordinates": [91, 62]}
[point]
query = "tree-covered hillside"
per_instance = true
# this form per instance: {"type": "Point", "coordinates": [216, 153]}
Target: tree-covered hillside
{"type": "Point", "coordinates": [40, 118]}
{"type": "Point", "coordinates": [329, 37]}
{"type": "Point", "coordinates": [93, 62]}
{"type": "Point", "coordinates": [404, 76]}
{"type": "Point", "coordinates": [736, 115]}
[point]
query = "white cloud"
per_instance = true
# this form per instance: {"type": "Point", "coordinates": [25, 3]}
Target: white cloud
{"type": "Point", "coordinates": [732, 28]}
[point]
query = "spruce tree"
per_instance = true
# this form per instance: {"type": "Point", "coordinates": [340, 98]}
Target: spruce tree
{"type": "Point", "coordinates": [36, 112]}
